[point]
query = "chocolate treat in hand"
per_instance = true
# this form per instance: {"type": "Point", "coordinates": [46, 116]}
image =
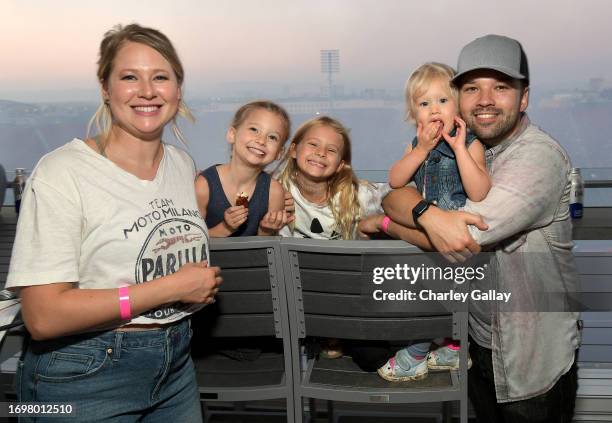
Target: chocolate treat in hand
{"type": "Point", "coordinates": [242, 199]}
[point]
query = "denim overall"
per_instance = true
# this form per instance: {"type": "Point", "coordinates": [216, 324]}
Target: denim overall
{"type": "Point", "coordinates": [438, 176]}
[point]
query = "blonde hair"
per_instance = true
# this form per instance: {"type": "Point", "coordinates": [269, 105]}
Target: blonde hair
{"type": "Point", "coordinates": [420, 79]}
{"type": "Point", "coordinates": [267, 105]}
{"type": "Point", "coordinates": [109, 47]}
{"type": "Point", "coordinates": [343, 184]}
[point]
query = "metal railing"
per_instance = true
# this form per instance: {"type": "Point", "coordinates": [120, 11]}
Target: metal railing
{"type": "Point", "coordinates": [597, 181]}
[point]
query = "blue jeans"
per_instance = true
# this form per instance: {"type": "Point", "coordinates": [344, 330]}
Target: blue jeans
{"type": "Point", "coordinates": [115, 376]}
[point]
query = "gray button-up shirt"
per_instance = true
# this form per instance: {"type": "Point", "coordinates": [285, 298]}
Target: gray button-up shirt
{"type": "Point", "coordinates": [530, 233]}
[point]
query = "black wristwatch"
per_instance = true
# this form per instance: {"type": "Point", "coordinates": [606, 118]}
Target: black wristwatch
{"type": "Point", "coordinates": [418, 210]}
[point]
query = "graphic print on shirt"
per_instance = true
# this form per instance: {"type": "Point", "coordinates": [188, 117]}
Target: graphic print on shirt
{"type": "Point", "coordinates": [316, 229]}
{"type": "Point", "coordinates": [315, 226]}
{"type": "Point", "coordinates": [173, 241]}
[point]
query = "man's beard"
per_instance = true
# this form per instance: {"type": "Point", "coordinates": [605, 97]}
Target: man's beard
{"type": "Point", "coordinates": [493, 134]}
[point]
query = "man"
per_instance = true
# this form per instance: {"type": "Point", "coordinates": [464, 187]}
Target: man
{"type": "Point", "coordinates": [524, 363]}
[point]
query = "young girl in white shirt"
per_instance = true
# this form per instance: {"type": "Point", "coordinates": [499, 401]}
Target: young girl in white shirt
{"type": "Point", "coordinates": [329, 198]}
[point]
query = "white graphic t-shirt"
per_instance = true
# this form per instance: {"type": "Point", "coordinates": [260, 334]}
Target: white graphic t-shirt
{"type": "Point", "coordinates": [83, 219]}
{"type": "Point", "coordinates": [317, 221]}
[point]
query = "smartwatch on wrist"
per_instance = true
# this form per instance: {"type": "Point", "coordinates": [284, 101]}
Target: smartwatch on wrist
{"type": "Point", "coordinates": [418, 210]}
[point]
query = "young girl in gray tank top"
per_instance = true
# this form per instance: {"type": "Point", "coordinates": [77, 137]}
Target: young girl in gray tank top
{"type": "Point", "coordinates": [239, 198]}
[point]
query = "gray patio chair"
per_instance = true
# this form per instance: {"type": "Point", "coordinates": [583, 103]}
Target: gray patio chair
{"type": "Point", "coordinates": [241, 346]}
{"type": "Point", "coordinates": [325, 293]}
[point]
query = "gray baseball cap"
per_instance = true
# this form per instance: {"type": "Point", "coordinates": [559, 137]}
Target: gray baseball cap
{"type": "Point", "coordinates": [495, 52]}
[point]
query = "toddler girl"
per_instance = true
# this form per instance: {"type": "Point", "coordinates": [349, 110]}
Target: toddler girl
{"type": "Point", "coordinates": [447, 164]}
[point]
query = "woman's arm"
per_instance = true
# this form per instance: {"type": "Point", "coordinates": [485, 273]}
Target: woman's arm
{"type": "Point", "coordinates": [202, 194]}
{"type": "Point", "coordinates": [60, 309]}
{"type": "Point", "coordinates": [49, 247]}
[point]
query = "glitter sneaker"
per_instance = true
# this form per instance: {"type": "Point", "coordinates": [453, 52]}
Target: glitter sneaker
{"type": "Point", "coordinates": [403, 367]}
{"type": "Point", "coordinates": [445, 358]}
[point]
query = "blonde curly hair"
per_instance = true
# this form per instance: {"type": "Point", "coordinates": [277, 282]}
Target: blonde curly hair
{"type": "Point", "coordinates": [342, 186]}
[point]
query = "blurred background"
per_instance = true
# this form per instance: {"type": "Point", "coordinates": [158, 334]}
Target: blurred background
{"type": "Point", "coordinates": [346, 58]}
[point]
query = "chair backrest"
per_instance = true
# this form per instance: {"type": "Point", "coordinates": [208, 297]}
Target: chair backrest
{"type": "Point", "coordinates": [251, 298]}
{"type": "Point", "coordinates": [594, 266]}
{"type": "Point", "coordinates": [327, 293]}
{"type": "Point", "coordinates": [8, 226]}
{"type": "Point", "coordinates": [241, 345]}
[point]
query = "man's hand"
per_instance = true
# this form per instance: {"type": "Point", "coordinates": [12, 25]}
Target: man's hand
{"type": "Point", "coordinates": [448, 232]}
{"type": "Point", "coordinates": [234, 217]}
{"type": "Point", "coordinates": [289, 207]}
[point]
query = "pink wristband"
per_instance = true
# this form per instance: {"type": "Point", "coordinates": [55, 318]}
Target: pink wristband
{"type": "Point", "coordinates": [125, 309]}
{"type": "Point", "coordinates": [385, 224]}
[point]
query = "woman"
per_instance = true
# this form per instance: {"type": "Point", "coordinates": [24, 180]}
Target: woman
{"type": "Point", "coordinates": [110, 252]}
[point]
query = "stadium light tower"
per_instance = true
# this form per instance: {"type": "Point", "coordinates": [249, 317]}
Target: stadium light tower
{"type": "Point", "coordinates": [330, 64]}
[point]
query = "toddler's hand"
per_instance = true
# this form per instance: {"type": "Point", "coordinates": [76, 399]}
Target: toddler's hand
{"type": "Point", "coordinates": [458, 140]}
{"type": "Point", "coordinates": [272, 222]}
{"type": "Point", "coordinates": [429, 135]}
{"type": "Point", "coordinates": [235, 216]}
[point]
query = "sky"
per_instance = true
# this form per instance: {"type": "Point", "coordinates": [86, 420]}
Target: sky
{"type": "Point", "coordinates": [49, 48]}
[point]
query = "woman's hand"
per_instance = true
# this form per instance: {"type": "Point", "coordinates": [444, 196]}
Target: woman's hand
{"type": "Point", "coordinates": [60, 309]}
{"type": "Point", "coordinates": [272, 222]}
{"type": "Point", "coordinates": [234, 217]}
{"type": "Point", "coordinates": [198, 283]}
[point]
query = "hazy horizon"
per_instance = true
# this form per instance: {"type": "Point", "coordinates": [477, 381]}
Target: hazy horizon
{"type": "Point", "coordinates": [231, 48]}
{"type": "Point", "coordinates": [271, 48]}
